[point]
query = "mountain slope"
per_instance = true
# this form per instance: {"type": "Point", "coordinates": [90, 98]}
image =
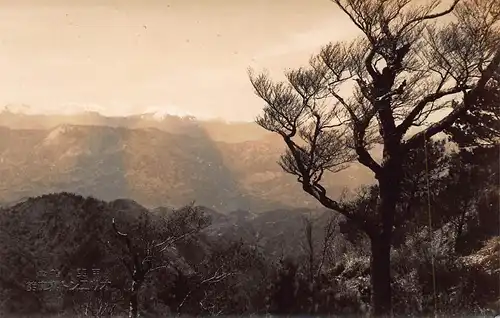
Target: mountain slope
{"type": "Point", "coordinates": [64, 232]}
{"type": "Point", "coordinates": [153, 167]}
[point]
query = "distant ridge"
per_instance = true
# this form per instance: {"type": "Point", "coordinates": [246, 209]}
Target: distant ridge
{"type": "Point", "coordinates": [216, 129]}
{"type": "Point", "coordinates": [155, 167]}
{"type": "Point", "coordinates": [156, 113]}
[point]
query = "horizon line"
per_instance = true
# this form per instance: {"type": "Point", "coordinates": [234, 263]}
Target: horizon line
{"type": "Point", "coordinates": [160, 115]}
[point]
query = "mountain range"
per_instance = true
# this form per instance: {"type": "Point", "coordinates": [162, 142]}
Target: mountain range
{"type": "Point", "coordinates": [218, 130]}
{"type": "Point", "coordinates": [156, 161]}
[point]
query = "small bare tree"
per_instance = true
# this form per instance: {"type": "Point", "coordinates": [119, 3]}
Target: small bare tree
{"type": "Point", "coordinates": [403, 70]}
{"type": "Point", "coordinates": [149, 254]}
{"type": "Point", "coordinates": [95, 306]}
{"type": "Point", "coordinates": [316, 258]}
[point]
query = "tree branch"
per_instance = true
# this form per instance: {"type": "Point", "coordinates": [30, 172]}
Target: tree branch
{"type": "Point", "coordinates": [426, 17]}
{"type": "Point", "coordinates": [469, 100]}
{"type": "Point", "coordinates": [359, 130]}
{"type": "Point", "coordinates": [369, 64]}
{"type": "Point", "coordinates": [319, 193]}
{"type": "Point", "coordinates": [364, 28]}
{"type": "Point", "coordinates": [414, 113]}
{"type": "Point", "coordinates": [171, 240]}
{"type": "Point", "coordinates": [329, 233]}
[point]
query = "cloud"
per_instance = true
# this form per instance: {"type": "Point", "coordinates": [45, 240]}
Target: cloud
{"type": "Point", "coordinates": [312, 39]}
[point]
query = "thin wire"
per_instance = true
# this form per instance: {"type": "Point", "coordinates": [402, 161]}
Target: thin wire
{"type": "Point", "coordinates": [499, 216]}
{"type": "Point", "coordinates": [430, 224]}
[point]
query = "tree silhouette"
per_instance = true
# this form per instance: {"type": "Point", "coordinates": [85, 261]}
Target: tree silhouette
{"type": "Point", "coordinates": [480, 126]}
{"type": "Point", "coordinates": [404, 71]}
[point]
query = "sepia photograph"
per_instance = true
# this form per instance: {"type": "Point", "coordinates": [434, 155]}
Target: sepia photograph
{"type": "Point", "coordinates": [249, 158]}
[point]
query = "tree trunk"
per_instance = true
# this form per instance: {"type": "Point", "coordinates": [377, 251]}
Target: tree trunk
{"type": "Point", "coordinates": [381, 240]}
{"type": "Point", "coordinates": [380, 267]}
{"type": "Point", "coordinates": [134, 300]}
{"type": "Point", "coordinates": [459, 246]}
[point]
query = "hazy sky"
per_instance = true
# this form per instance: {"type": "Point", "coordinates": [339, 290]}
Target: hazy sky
{"type": "Point", "coordinates": [133, 56]}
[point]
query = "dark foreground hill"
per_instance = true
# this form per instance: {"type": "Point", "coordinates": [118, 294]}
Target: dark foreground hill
{"type": "Point", "coordinates": [65, 233]}
{"type": "Point", "coordinates": [239, 263]}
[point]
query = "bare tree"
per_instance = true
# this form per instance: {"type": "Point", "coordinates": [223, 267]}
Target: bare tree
{"type": "Point", "coordinates": [403, 70]}
{"type": "Point", "coordinates": [215, 277]}
{"type": "Point", "coordinates": [95, 306]}
{"type": "Point", "coordinates": [151, 255]}
{"type": "Point", "coordinates": [316, 258]}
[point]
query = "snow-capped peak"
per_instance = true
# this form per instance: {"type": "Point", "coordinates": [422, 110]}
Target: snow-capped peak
{"type": "Point", "coordinates": [160, 113]}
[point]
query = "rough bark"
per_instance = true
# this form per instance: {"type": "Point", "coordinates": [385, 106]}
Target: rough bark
{"type": "Point", "coordinates": [134, 300]}
{"type": "Point", "coordinates": [381, 241]}
{"type": "Point", "coordinates": [380, 268]}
